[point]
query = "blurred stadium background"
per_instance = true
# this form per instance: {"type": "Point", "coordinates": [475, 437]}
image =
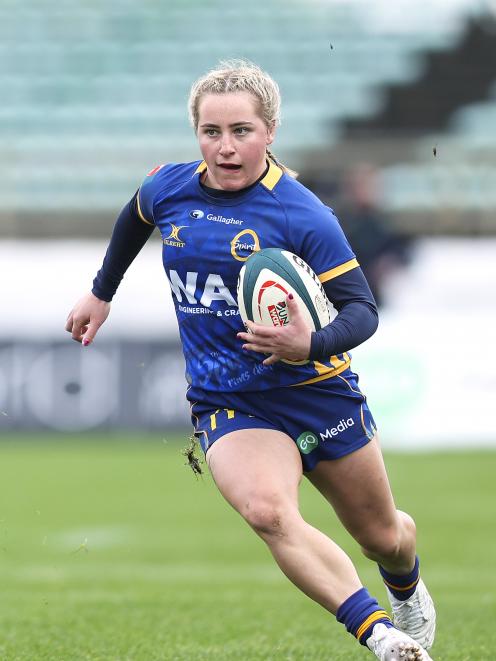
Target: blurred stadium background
{"type": "Point", "coordinates": [389, 114]}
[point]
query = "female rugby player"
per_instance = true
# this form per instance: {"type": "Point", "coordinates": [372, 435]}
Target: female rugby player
{"type": "Point", "coordinates": [264, 423]}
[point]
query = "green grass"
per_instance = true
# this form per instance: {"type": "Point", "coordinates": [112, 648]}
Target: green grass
{"type": "Point", "coordinates": [112, 550]}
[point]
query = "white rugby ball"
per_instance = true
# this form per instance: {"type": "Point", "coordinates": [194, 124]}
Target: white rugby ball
{"type": "Point", "coordinates": [265, 281]}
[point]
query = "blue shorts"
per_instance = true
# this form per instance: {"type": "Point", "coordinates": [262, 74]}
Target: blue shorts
{"type": "Point", "coordinates": [327, 420]}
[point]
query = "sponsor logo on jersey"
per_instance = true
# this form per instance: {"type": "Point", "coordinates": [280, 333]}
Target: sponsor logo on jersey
{"type": "Point", "coordinates": [223, 219]}
{"type": "Point", "coordinates": [307, 441]}
{"type": "Point", "coordinates": [173, 239]}
{"type": "Point", "coordinates": [200, 291]}
{"type": "Point", "coordinates": [244, 244]}
{"type": "Point", "coordinates": [196, 213]}
{"type": "Point", "coordinates": [340, 427]}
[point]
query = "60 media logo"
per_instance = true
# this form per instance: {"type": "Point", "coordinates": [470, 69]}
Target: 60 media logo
{"type": "Point", "coordinates": [307, 442]}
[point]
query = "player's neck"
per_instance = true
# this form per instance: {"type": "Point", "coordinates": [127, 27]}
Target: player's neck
{"type": "Point", "coordinates": [218, 192]}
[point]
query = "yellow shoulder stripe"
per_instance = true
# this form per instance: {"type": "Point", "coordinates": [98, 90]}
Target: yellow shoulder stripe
{"type": "Point", "coordinates": [140, 213]}
{"type": "Point", "coordinates": [273, 175]}
{"type": "Point", "coordinates": [339, 270]}
{"type": "Point", "coordinates": [201, 168]}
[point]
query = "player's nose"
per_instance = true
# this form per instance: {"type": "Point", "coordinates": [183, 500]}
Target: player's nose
{"type": "Point", "coordinates": [226, 146]}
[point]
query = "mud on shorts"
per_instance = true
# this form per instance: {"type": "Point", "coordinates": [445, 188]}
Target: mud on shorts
{"type": "Point", "coordinates": [327, 420]}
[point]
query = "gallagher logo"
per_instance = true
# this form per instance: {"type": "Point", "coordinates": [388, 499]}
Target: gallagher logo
{"type": "Point", "coordinates": [173, 238]}
{"type": "Point", "coordinates": [196, 213]}
{"type": "Point", "coordinates": [244, 244]}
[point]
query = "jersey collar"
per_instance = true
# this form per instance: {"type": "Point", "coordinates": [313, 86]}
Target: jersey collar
{"type": "Point", "coordinates": [270, 180]}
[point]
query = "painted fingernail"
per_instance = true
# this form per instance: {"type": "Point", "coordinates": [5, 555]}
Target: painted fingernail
{"type": "Point", "coordinates": [85, 342]}
{"type": "Point", "coordinates": [290, 297]}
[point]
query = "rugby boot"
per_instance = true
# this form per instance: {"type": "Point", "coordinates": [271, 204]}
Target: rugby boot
{"type": "Point", "coordinates": [390, 644]}
{"type": "Point", "coordinates": [415, 616]}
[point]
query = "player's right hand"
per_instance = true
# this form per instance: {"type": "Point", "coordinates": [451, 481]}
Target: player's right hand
{"type": "Point", "coordinates": [86, 317]}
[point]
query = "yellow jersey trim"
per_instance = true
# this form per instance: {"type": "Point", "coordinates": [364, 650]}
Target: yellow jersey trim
{"type": "Point", "coordinates": [201, 168]}
{"type": "Point", "coordinates": [323, 369]}
{"type": "Point", "coordinates": [362, 419]}
{"type": "Point", "coordinates": [322, 376]}
{"type": "Point", "coordinates": [140, 213]}
{"type": "Point", "coordinates": [272, 177]}
{"type": "Point", "coordinates": [339, 270]}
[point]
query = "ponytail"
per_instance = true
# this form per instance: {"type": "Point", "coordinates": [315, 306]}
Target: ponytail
{"type": "Point", "coordinates": [284, 168]}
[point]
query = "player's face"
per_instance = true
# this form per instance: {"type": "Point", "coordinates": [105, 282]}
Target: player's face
{"type": "Point", "coordinates": [233, 139]}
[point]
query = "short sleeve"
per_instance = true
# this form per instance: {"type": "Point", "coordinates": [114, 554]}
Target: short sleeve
{"type": "Point", "coordinates": [320, 241]}
{"type": "Point", "coordinates": [146, 196]}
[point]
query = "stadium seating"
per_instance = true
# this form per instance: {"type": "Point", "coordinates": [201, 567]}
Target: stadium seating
{"type": "Point", "coordinates": [92, 97]}
{"type": "Point", "coordinates": [460, 176]}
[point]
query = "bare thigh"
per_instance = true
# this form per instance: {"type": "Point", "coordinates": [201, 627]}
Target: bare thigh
{"type": "Point", "coordinates": [258, 472]}
{"type": "Point", "coordinates": [255, 467]}
{"type": "Point", "coordinates": [357, 487]}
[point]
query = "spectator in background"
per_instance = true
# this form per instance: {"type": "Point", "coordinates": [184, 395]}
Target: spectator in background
{"type": "Point", "coordinates": [379, 248]}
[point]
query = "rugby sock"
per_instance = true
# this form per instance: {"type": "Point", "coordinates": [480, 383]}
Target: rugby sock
{"type": "Point", "coordinates": [360, 613]}
{"type": "Point", "coordinates": [402, 587]}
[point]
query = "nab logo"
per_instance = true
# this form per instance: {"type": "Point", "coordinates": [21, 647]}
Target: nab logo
{"type": "Point", "coordinates": [173, 238]}
{"type": "Point", "coordinates": [196, 213]}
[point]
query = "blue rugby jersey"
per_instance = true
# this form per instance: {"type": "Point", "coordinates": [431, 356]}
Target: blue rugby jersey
{"type": "Point", "coordinates": [206, 241]}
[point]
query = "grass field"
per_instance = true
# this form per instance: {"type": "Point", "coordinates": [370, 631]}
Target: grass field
{"type": "Point", "coordinates": [112, 550]}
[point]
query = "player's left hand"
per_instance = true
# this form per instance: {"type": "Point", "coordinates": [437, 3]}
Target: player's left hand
{"type": "Point", "coordinates": [289, 342]}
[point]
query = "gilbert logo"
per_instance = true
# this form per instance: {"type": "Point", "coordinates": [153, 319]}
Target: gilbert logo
{"type": "Point", "coordinates": [307, 442]}
{"type": "Point", "coordinates": [173, 238]}
{"type": "Point", "coordinates": [334, 431]}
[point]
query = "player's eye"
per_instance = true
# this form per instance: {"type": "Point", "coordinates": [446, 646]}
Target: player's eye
{"type": "Point", "coordinates": [241, 130]}
{"type": "Point", "coordinates": [211, 132]}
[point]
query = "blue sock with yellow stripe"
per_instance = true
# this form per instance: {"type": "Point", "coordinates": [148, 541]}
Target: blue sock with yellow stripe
{"type": "Point", "coordinates": [360, 613]}
{"type": "Point", "coordinates": [402, 587]}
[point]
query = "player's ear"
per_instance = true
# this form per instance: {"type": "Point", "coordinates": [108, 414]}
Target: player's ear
{"type": "Point", "coordinates": [271, 133]}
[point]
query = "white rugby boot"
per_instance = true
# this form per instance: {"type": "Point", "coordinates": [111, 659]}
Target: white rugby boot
{"type": "Point", "coordinates": [390, 644]}
{"type": "Point", "coordinates": [416, 616]}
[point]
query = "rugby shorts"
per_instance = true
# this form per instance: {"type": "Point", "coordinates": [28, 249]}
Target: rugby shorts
{"type": "Point", "coordinates": [327, 420]}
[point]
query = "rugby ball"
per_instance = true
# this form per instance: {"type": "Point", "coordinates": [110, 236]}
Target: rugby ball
{"type": "Point", "coordinates": [265, 281]}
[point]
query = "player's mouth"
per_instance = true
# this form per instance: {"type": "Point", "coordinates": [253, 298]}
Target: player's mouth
{"type": "Point", "coordinates": [229, 167]}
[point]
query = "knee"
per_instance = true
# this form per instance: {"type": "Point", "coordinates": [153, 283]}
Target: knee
{"type": "Point", "coordinates": [383, 543]}
{"type": "Point", "coordinates": [269, 517]}
{"type": "Point", "coordinates": [392, 540]}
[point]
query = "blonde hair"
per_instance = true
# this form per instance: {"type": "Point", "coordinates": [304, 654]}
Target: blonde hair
{"type": "Point", "coordinates": [241, 76]}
